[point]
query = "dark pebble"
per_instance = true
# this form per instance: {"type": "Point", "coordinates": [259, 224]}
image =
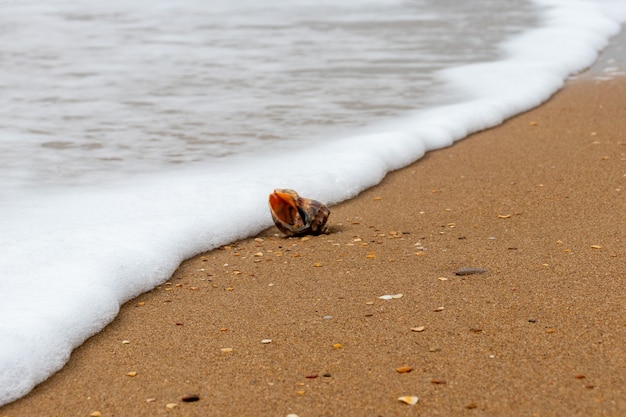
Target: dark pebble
{"type": "Point", "coordinates": [470, 271]}
{"type": "Point", "coordinates": [191, 398]}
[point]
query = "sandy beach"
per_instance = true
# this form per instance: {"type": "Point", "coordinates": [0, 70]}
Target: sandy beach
{"type": "Point", "coordinates": [272, 326]}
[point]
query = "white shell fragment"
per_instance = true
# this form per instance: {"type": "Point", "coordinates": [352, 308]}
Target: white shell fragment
{"type": "Point", "coordinates": [390, 297]}
{"type": "Point", "coordinates": [266, 341]}
{"type": "Point", "coordinates": [409, 399]}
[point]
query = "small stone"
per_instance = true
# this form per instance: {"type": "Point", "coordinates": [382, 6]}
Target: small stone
{"type": "Point", "coordinates": [171, 406]}
{"type": "Point", "coordinates": [438, 309]}
{"type": "Point", "coordinates": [337, 346]}
{"type": "Point", "coordinates": [150, 400]}
{"type": "Point", "coordinates": [471, 406]}
{"type": "Point", "coordinates": [579, 376]}
{"type": "Point", "coordinates": [550, 330]}
{"type": "Point", "coordinates": [226, 350]}
{"type": "Point", "coordinates": [437, 381]}
{"type": "Point", "coordinates": [317, 264]}
{"type": "Point", "coordinates": [132, 374]}
{"type": "Point", "coordinates": [409, 399]}
{"type": "Point", "coordinates": [470, 271]}
{"type": "Point", "coordinates": [190, 398]}
{"type": "Point", "coordinates": [404, 369]}
{"type": "Point", "coordinates": [311, 376]}
{"type": "Point", "coordinates": [95, 414]}
{"type": "Point", "coordinates": [125, 342]}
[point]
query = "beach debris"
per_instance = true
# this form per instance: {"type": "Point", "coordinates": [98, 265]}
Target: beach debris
{"type": "Point", "coordinates": [596, 247]}
{"type": "Point", "coordinates": [295, 216]}
{"type": "Point", "coordinates": [171, 406]}
{"type": "Point", "coordinates": [190, 398]}
{"type": "Point", "coordinates": [337, 346]}
{"type": "Point", "coordinates": [391, 296]}
{"type": "Point", "coordinates": [226, 350]}
{"type": "Point", "coordinates": [292, 415]}
{"type": "Point", "coordinates": [95, 414]}
{"type": "Point", "coordinates": [311, 376]}
{"type": "Point", "coordinates": [504, 216]}
{"type": "Point", "coordinates": [470, 271]}
{"type": "Point", "coordinates": [471, 406]}
{"type": "Point", "coordinates": [404, 369]}
{"type": "Point", "coordinates": [438, 381]}
{"type": "Point", "coordinates": [132, 374]}
{"type": "Point", "coordinates": [266, 341]}
{"type": "Point", "coordinates": [438, 309]}
{"type": "Point", "coordinates": [409, 399]}
{"type": "Point", "coordinates": [418, 329]}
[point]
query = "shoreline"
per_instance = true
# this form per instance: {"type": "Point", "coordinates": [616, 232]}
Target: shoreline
{"type": "Point", "coordinates": [537, 202]}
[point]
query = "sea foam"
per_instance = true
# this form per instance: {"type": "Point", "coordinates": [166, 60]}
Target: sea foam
{"type": "Point", "coordinates": [70, 257]}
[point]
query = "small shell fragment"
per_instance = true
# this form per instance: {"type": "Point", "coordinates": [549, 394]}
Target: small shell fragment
{"type": "Point", "coordinates": [596, 247]}
{"type": "Point", "coordinates": [409, 399]}
{"type": "Point", "coordinates": [132, 374]}
{"type": "Point", "coordinates": [391, 296]}
{"type": "Point", "coordinates": [95, 414]}
{"type": "Point", "coordinates": [266, 341]}
{"type": "Point", "coordinates": [404, 369]}
{"type": "Point", "coordinates": [418, 329]}
{"type": "Point", "coordinates": [171, 406]}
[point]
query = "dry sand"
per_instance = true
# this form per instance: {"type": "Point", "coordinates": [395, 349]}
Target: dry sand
{"type": "Point", "coordinates": [539, 202]}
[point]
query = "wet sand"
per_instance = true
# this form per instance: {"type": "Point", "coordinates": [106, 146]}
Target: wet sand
{"type": "Point", "coordinates": [272, 326]}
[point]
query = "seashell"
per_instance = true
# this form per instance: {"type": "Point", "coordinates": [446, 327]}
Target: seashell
{"type": "Point", "coordinates": [295, 216]}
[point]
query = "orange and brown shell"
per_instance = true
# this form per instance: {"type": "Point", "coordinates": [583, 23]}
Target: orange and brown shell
{"type": "Point", "coordinates": [294, 215]}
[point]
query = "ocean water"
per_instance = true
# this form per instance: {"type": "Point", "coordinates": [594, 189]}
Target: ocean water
{"type": "Point", "coordinates": [137, 134]}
